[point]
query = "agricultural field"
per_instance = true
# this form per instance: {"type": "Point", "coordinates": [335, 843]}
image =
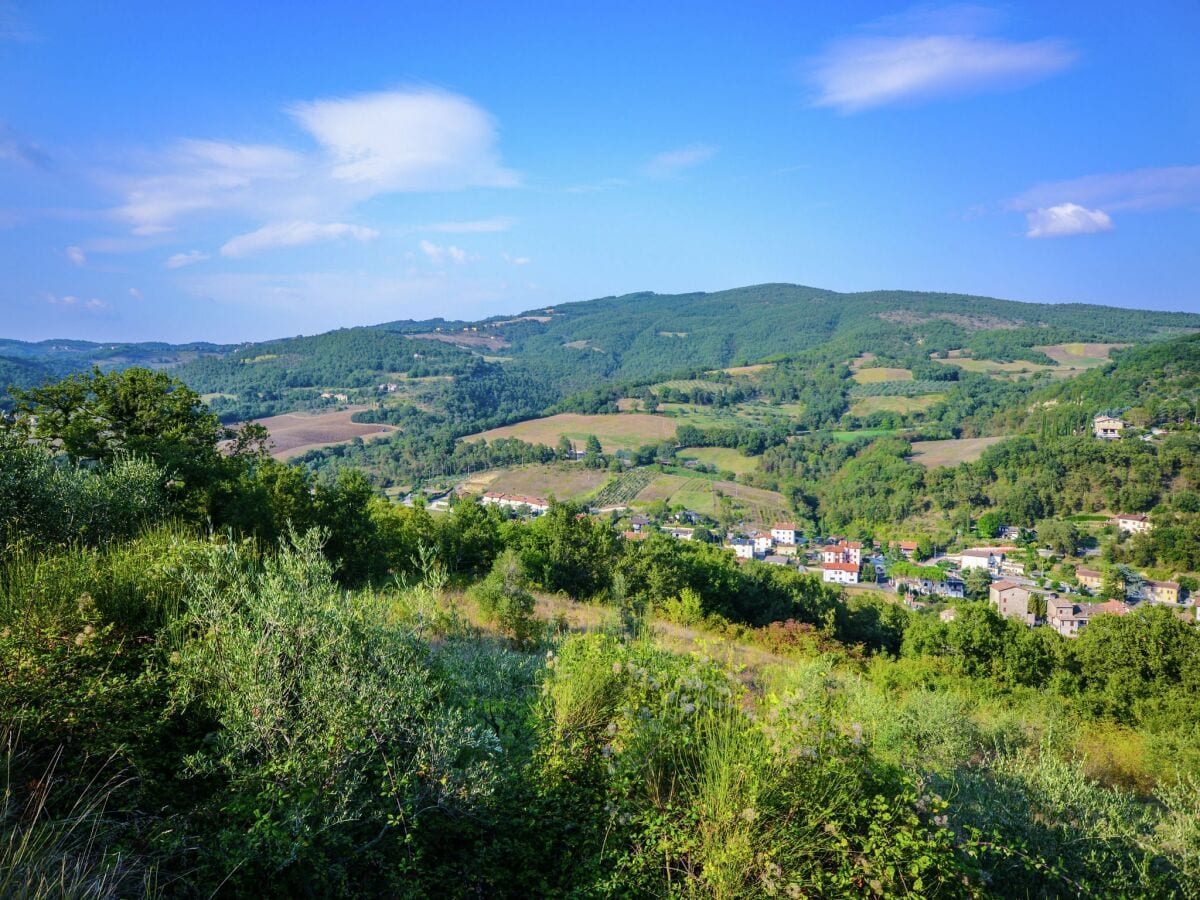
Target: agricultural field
{"type": "Point", "coordinates": [1078, 357]}
{"type": "Point", "coordinates": [931, 454]}
{"type": "Point", "coordinates": [701, 494]}
{"type": "Point", "coordinates": [747, 370]}
{"type": "Point", "coordinates": [624, 431]}
{"type": "Point", "coordinates": [689, 384]}
{"type": "Point", "coordinates": [876, 374]}
{"type": "Point", "coordinates": [996, 369]}
{"type": "Point", "coordinates": [751, 413]}
{"type": "Point", "coordinates": [1072, 358]}
{"type": "Point", "coordinates": [725, 459]}
{"type": "Point", "coordinates": [902, 405]}
{"type": "Point", "coordinates": [296, 433]}
{"type": "Point", "coordinates": [566, 481]}
{"type": "Point", "coordinates": [623, 488]}
{"type": "Point", "coordinates": [847, 436]}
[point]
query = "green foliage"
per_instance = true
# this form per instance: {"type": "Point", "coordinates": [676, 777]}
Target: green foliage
{"type": "Point", "coordinates": [504, 599]}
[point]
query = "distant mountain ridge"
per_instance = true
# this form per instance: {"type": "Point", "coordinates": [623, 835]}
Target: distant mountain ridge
{"type": "Point", "coordinates": [577, 344]}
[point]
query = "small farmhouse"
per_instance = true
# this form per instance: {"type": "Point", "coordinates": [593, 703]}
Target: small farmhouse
{"type": "Point", "coordinates": [1107, 428]}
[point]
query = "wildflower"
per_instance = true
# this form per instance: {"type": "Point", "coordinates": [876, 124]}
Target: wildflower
{"type": "Point", "coordinates": [941, 821]}
{"type": "Point", "coordinates": [795, 891]}
{"type": "Point", "coordinates": [877, 886]}
{"type": "Point", "coordinates": [689, 708]}
{"type": "Point", "coordinates": [617, 668]}
{"type": "Point", "coordinates": [612, 728]}
{"type": "Point", "coordinates": [79, 639]}
{"type": "Point", "coordinates": [749, 814]}
{"type": "Point", "coordinates": [89, 630]}
{"type": "Point", "coordinates": [175, 658]}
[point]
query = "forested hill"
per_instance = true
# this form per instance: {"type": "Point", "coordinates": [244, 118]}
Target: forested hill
{"type": "Point", "coordinates": [645, 334]}
{"type": "Point", "coordinates": [574, 347]}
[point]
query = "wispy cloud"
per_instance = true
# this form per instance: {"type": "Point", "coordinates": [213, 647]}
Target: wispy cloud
{"type": "Point", "coordinates": [929, 56]}
{"type": "Point", "coordinates": [196, 176]}
{"type": "Point", "coordinates": [70, 301]}
{"type": "Point", "coordinates": [474, 226]}
{"type": "Point", "coordinates": [1086, 205]}
{"type": "Point", "coordinates": [439, 255]}
{"type": "Point", "coordinates": [179, 260]}
{"type": "Point", "coordinates": [1065, 220]}
{"type": "Point", "coordinates": [76, 256]}
{"type": "Point", "coordinates": [517, 260]}
{"type": "Point", "coordinates": [675, 162]}
{"type": "Point", "coordinates": [16, 148]}
{"type": "Point", "coordinates": [595, 187]}
{"type": "Point", "coordinates": [293, 234]}
{"type": "Point", "coordinates": [1140, 190]}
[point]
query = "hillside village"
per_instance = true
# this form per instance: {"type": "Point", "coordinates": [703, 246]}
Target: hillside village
{"type": "Point", "coordinates": [1014, 577]}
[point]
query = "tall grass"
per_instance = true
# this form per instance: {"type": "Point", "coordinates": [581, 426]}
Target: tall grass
{"type": "Point", "coordinates": [43, 855]}
{"type": "Point", "coordinates": [138, 584]}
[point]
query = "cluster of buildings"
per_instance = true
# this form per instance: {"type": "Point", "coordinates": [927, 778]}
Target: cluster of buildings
{"type": "Point", "coordinates": [520, 502]}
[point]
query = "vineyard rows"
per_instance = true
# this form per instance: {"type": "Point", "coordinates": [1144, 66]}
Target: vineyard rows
{"type": "Point", "coordinates": [622, 489]}
{"type": "Point", "coordinates": [897, 389]}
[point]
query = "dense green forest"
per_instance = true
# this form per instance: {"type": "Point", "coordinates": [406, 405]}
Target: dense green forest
{"type": "Point", "coordinates": [223, 675]}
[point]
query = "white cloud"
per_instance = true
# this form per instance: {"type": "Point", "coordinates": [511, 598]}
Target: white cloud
{"type": "Point", "coordinates": [674, 162]}
{"type": "Point", "coordinates": [76, 256]}
{"type": "Point", "coordinates": [934, 52]}
{"type": "Point", "coordinates": [474, 226]}
{"type": "Point", "coordinates": [95, 304]}
{"type": "Point", "coordinates": [293, 234]}
{"type": "Point", "coordinates": [366, 145]}
{"type": "Point", "coordinates": [407, 140]}
{"type": "Point", "coordinates": [179, 260]}
{"type": "Point", "coordinates": [518, 260]}
{"type": "Point", "coordinates": [136, 294]}
{"type": "Point", "coordinates": [1066, 219]}
{"type": "Point", "coordinates": [197, 176]}
{"type": "Point", "coordinates": [1141, 190]}
{"type": "Point", "coordinates": [438, 254]}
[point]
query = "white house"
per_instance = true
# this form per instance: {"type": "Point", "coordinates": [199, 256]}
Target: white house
{"type": "Point", "coordinates": [680, 534]}
{"type": "Point", "coordinates": [1132, 524]}
{"type": "Point", "coordinates": [763, 542]}
{"type": "Point", "coordinates": [743, 548]}
{"type": "Point", "coordinates": [982, 557]}
{"type": "Point", "coordinates": [784, 533]}
{"type": "Point", "coordinates": [843, 552]}
{"type": "Point", "coordinates": [839, 572]}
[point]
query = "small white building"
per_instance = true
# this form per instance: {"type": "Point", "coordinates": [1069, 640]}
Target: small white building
{"type": "Point", "coordinates": [784, 533]}
{"type": "Point", "coordinates": [763, 542]}
{"type": "Point", "coordinates": [1132, 523]}
{"type": "Point", "coordinates": [843, 552]}
{"type": "Point", "coordinates": [839, 572]}
{"type": "Point", "coordinates": [680, 534]}
{"type": "Point", "coordinates": [743, 548]}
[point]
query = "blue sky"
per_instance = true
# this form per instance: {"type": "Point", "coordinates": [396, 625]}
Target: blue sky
{"type": "Point", "coordinates": [227, 171]}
